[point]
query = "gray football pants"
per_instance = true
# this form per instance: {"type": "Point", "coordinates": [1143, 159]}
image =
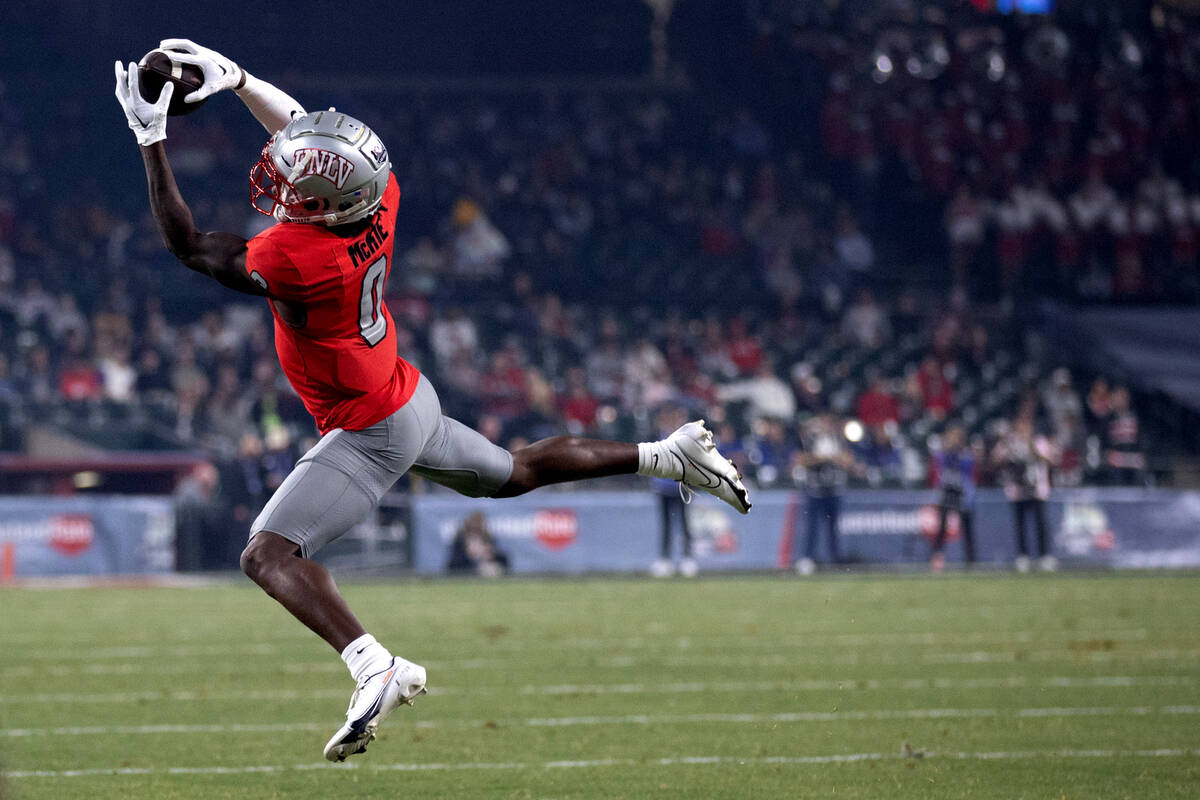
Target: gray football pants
{"type": "Point", "coordinates": [337, 483]}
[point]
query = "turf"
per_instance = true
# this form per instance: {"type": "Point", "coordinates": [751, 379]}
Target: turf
{"type": "Point", "coordinates": [999, 686]}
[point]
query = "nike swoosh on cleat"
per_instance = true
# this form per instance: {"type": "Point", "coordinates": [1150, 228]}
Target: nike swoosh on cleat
{"type": "Point", "coordinates": [711, 479]}
{"type": "Point", "coordinates": [360, 723]}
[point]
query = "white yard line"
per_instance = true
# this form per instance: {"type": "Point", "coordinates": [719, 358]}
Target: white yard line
{"type": "Point", "coordinates": [625, 719]}
{"type": "Point", "coordinates": [687, 687]}
{"type": "Point", "coordinates": [154, 666]}
{"type": "Point", "coordinates": [842, 758]}
{"type": "Point", "coordinates": [657, 642]}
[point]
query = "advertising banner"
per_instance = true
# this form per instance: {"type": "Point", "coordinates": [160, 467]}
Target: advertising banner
{"type": "Point", "coordinates": [620, 531]}
{"type": "Point", "coordinates": [86, 535]}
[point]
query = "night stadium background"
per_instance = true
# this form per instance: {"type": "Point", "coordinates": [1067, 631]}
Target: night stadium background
{"type": "Point", "coordinates": [838, 231]}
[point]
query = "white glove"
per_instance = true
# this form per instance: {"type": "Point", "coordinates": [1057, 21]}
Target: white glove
{"type": "Point", "coordinates": [219, 72]}
{"type": "Point", "coordinates": [147, 120]}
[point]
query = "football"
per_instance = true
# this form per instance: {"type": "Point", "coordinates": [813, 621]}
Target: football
{"type": "Point", "coordinates": [157, 67]}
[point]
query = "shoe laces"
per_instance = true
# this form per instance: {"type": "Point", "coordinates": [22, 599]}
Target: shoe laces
{"type": "Point", "coordinates": [686, 493]}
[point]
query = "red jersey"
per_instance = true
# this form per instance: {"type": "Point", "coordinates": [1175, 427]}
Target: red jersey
{"type": "Point", "coordinates": [340, 354]}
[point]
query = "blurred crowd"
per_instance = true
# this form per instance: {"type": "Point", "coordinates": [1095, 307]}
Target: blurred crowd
{"type": "Point", "coordinates": [1057, 150]}
{"type": "Point", "coordinates": [572, 260]}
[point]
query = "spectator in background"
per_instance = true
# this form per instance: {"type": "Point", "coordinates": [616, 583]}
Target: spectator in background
{"type": "Point", "coordinates": [952, 473]}
{"type": "Point", "coordinates": [202, 539]}
{"type": "Point", "coordinates": [8, 387]}
{"type": "Point", "coordinates": [1024, 459]}
{"type": "Point", "coordinates": [1061, 401]}
{"type": "Point", "coordinates": [854, 250]}
{"type": "Point", "coordinates": [67, 318]}
{"type": "Point", "coordinates": [117, 374]}
{"type": "Point", "coordinates": [33, 304]}
{"type": "Point", "coordinates": [877, 458]}
{"type": "Point", "coordinates": [647, 379]}
{"type": "Point", "coordinates": [966, 217]}
{"type": "Point", "coordinates": [576, 403]}
{"type": "Point", "coordinates": [606, 365]}
{"type": "Point", "coordinates": [1123, 456]}
{"type": "Point", "coordinates": [766, 394]}
{"type": "Point", "coordinates": [1098, 405]}
{"type": "Point", "coordinates": [424, 263]}
{"type": "Point", "coordinates": [937, 395]}
{"type": "Point", "coordinates": [671, 506]}
{"type": "Point", "coordinates": [772, 454]}
{"type": "Point", "coordinates": [865, 322]}
{"type": "Point", "coordinates": [1070, 443]}
{"type": "Point", "coordinates": [36, 380]}
{"type": "Point", "coordinates": [453, 334]}
{"type": "Point", "coordinates": [79, 381]}
{"type": "Point", "coordinates": [502, 389]}
{"type": "Point", "coordinates": [744, 349]}
{"type": "Point", "coordinates": [877, 406]}
{"type": "Point", "coordinates": [479, 247]}
{"type": "Point", "coordinates": [475, 551]}
{"type": "Point", "coordinates": [153, 383]}
{"type": "Point", "coordinates": [827, 462]}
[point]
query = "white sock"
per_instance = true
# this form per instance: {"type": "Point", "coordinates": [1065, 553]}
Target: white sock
{"type": "Point", "coordinates": [656, 461]}
{"type": "Point", "coordinates": [365, 656]}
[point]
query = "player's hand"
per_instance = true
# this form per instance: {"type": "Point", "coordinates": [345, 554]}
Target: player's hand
{"type": "Point", "coordinates": [219, 72]}
{"type": "Point", "coordinates": [147, 120]}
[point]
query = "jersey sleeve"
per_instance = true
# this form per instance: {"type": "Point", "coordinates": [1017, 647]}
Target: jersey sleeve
{"type": "Point", "coordinates": [270, 267]}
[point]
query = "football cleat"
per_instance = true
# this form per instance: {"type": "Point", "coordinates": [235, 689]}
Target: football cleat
{"type": "Point", "coordinates": [662, 568]}
{"type": "Point", "coordinates": [374, 698]}
{"type": "Point", "coordinates": [705, 468]}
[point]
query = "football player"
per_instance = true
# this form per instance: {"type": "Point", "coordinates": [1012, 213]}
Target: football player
{"type": "Point", "coordinates": [326, 179]}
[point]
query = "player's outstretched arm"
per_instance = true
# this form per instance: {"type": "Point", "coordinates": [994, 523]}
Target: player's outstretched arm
{"type": "Point", "coordinates": [221, 256]}
{"type": "Point", "coordinates": [270, 105]}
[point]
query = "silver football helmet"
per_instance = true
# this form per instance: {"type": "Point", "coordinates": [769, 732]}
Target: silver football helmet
{"type": "Point", "coordinates": [324, 167]}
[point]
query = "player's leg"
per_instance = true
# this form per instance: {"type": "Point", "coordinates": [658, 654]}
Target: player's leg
{"type": "Point", "coordinates": [317, 503]}
{"type": "Point", "coordinates": [1022, 562]}
{"type": "Point", "coordinates": [302, 586]}
{"type": "Point", "coordinates": [567, 458]}
{"type": "Point", "coordinates": [464, 460]}
{"type": "Point", "coordinates": [812, 520]}
{"type": "Point", "coordinates": [332, 488]}
{"type": "Point", "coordinates": [966, 523]}
{"type": "Point", "coordinates": [833, 511]}
{"type": "Point", "coordinates": [1046, 560]}
{"type": "Point", "coordinates": [688, 567]}
{"type": "Point", "coordinates": [937, 559]}
{"type": "Point", "coordinates": [664, 507]}
{"type": "Point", "coordinates": [664, 567]}
{"type": "Point", "coordinates": [686, 529]}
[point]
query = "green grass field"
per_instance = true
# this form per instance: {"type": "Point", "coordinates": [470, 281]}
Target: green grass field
{"type": "Point", "coordinates": [1002, 686]}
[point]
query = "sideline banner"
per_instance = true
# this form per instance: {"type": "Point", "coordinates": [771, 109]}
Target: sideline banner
{"type": "Point", "coordinates": [583, 531]}
{"type": "Point", "coordinates": [94, 535]}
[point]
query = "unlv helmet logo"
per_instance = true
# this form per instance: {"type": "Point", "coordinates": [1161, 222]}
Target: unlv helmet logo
{"type": "Point", "coordinates": [71, 534]}
{"type": "Point", "coordinates": [555, 528]}
{"type": "Point", "coordinates": [328, 165]}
